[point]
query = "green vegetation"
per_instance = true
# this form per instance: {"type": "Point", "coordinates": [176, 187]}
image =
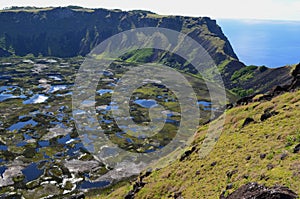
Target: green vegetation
{"type": "Point", "coordinates": [142, 56]}
{"type": "Point", "coordinates": [242, 92]}
{"type": "Point", "coordinates": [222, 65]}
{"type": "Point", "coordinates": [293, 139]}
{"type": "Point", "coordinates": [259, 152]}
{"type": "Point", "coordinates": [262, 69]}
{"type": "Point", "coordinates": [243, 74]}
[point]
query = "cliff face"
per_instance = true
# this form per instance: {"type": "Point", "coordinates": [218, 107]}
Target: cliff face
{"type": "Point", "coordinates": [72, 31]}
{"type": "Point", "coordinates": [67, 32]}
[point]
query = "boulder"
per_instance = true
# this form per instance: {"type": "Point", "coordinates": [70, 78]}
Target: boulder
{"type": "Point", "coordinates": [187, 153]}
{"type": "Point", "coordinates": [256, 191]}
{"type": "Point", "coordinates": [77, 196]}
{"type": "Point", "coordinates": [297, 149]}
{"type": "Point", "coordinates": [267, 115]}
{"type": "Point", "coordinates": [247, 121]}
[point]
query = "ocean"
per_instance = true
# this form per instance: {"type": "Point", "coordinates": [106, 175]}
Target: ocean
{"type": "Point", "coordinates": [264, 42]}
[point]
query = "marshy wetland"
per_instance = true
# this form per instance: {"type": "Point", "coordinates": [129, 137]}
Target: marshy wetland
{"type": "Point", "coordinates": [42, 154]}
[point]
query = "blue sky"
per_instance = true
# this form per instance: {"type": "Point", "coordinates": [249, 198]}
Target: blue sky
{"type": "Point", "coordinates": [254, 9]}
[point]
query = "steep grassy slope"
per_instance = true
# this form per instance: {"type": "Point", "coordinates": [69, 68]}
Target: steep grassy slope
{"type": "Point", "coordinates": [261, 151]}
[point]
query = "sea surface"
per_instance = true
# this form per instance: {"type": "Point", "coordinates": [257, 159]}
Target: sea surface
{"type": "Point", "coordinates": [264, 42]}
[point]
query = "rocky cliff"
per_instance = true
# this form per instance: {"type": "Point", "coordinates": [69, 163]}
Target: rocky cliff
{"type": "Point", "coordinates": [71, 31]}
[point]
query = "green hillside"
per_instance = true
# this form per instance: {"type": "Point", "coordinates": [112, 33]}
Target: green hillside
{"type": "Point", "coordinates": [262, 151]}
